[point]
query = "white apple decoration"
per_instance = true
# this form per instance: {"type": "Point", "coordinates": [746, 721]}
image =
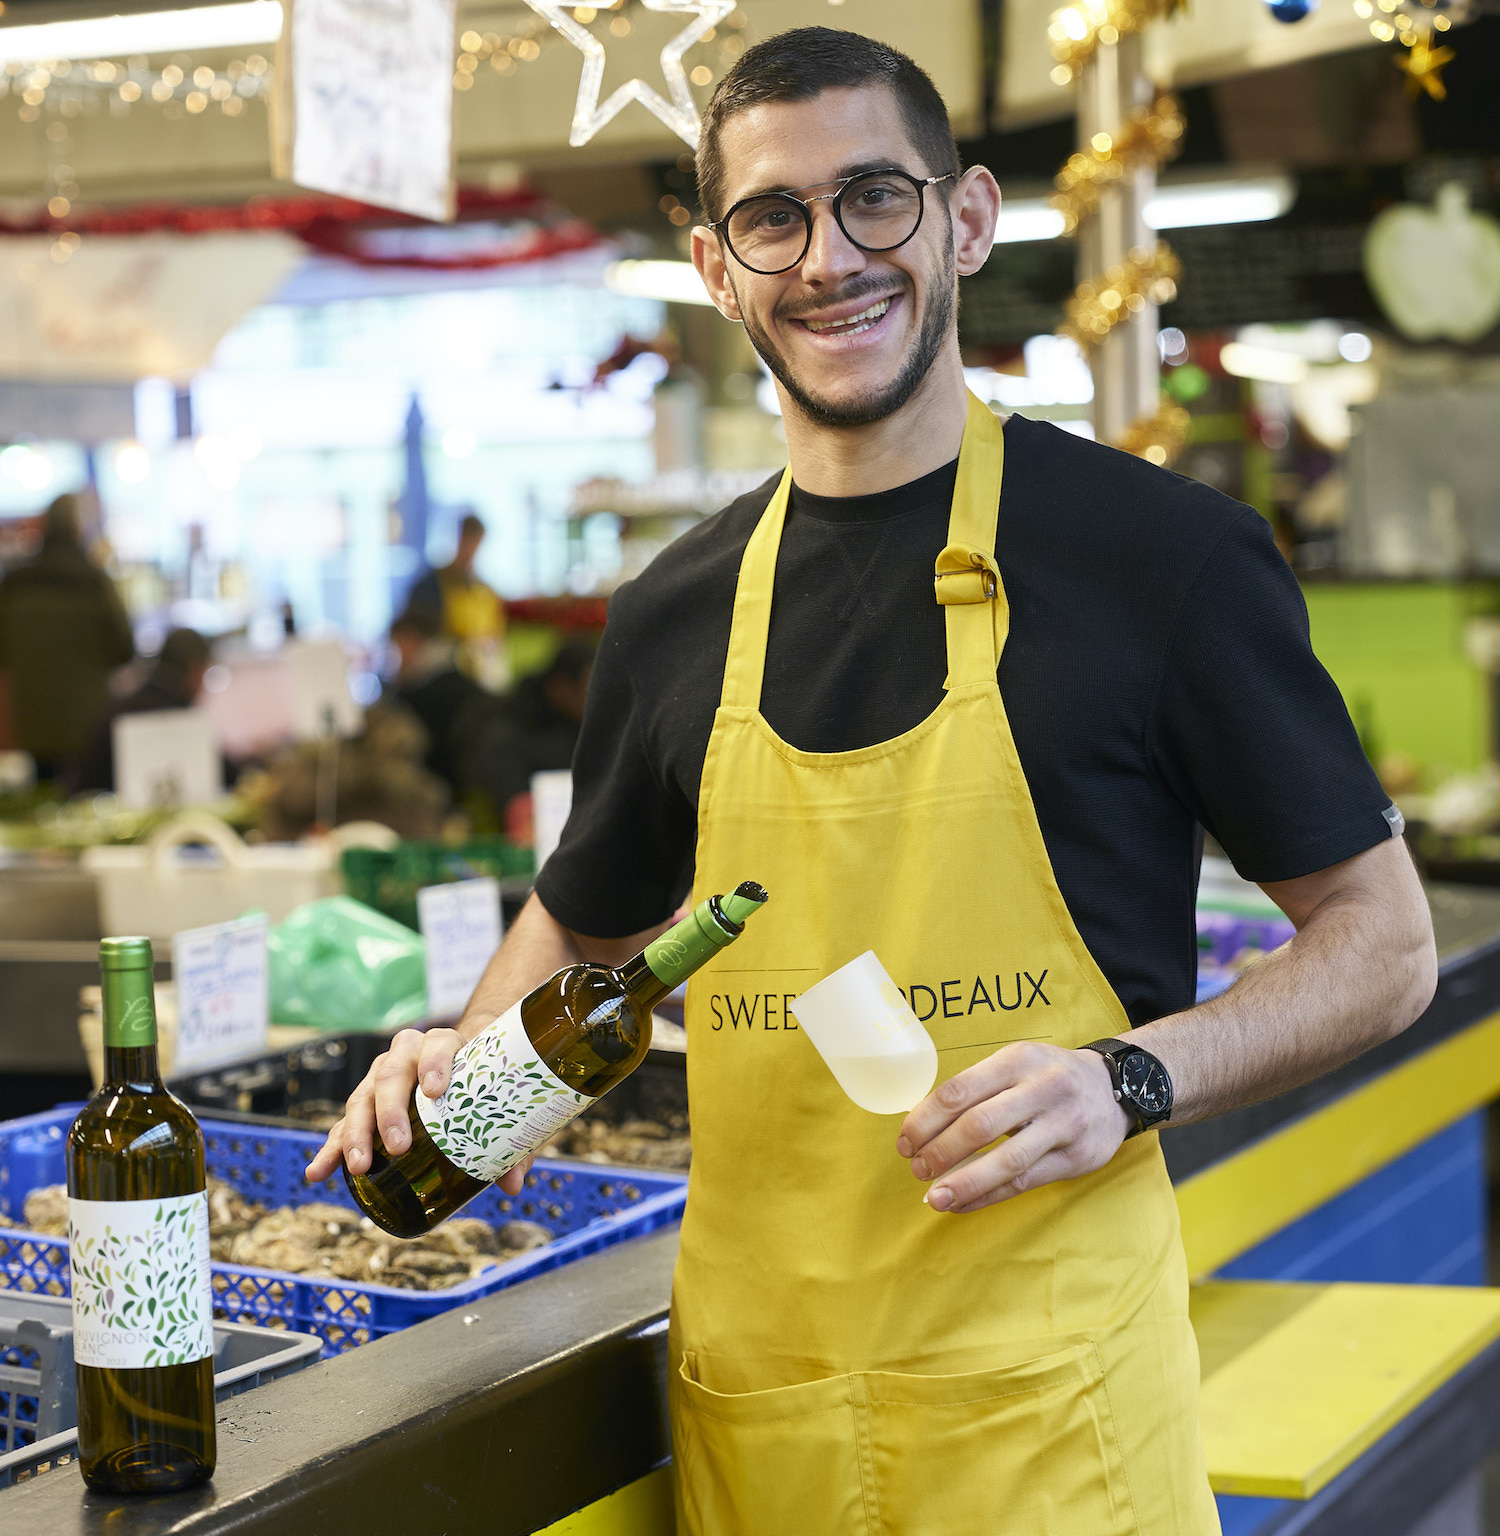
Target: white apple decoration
{"type": "Point", "coordinates": [1436, 271]}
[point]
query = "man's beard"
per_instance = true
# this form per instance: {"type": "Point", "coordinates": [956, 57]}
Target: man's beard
{"type": "Point", "coordinates": [936, 325]}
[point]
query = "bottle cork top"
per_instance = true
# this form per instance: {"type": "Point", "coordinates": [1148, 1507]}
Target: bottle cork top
{"type": "Point", "coordinates": [126, 954]}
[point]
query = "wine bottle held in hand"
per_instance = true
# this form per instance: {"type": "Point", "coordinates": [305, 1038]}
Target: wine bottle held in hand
{"type": "Point", "coordinates": [538, 1066]}
{"type": "Point", "coordinates": [143, 1337]}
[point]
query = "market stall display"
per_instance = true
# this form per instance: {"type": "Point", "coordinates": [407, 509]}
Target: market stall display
{"type": "Point", "coordinates": [584, 1209]}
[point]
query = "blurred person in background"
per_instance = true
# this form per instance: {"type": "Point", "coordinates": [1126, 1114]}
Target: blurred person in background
{"type": "Point", "coordinates": [174, 682]}
{"type": "Point", "coordinates": [429, 684]}
{"type": "Point", "coordinates": [469, 611]}
{"type": "Point", "coordinates": [534, 729]}
{"type": "Point", "coordinates": [63, 630]}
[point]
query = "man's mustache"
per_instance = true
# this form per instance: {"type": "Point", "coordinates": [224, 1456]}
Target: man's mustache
{"type": "Point", "coordinates": [876, 285]}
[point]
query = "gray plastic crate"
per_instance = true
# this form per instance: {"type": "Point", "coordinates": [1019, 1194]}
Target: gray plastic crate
{"type": "Point", "coordinates": [38, 1390]}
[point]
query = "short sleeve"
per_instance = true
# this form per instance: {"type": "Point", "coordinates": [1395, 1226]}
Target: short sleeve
{"type": "Point", "coordinates": [625, 860]}
{"type": "Point", "coordinates": [1249, 730]}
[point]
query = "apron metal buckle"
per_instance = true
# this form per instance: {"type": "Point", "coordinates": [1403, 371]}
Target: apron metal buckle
{"type": "Point", "coordinates": [965, 589]}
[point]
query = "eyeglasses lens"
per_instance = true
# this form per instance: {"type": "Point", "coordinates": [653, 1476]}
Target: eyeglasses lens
{"type": "Point", "coordinates": [768, 234]}
{"type": "Point", "coordinates": [879, 212]}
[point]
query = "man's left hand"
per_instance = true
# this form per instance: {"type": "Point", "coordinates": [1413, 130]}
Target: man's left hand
{"type": "Point", "coordinates": [1056, 1109]}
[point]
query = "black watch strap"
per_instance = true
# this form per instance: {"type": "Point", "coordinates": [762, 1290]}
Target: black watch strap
{"type": "Point", "coordinates": [1115, 1053]}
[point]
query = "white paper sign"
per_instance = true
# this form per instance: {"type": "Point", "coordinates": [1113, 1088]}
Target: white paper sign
{"type": "Point", "coordinates": [461, 925]}
{"type": "Point", "coordinates": [551, 801]}
{"type": "Point", "coordinates": [364, 101]}
{"type": "Point", "coordinates": [223, 992]}
{"type": "Point", "coordinates": [166, 757]}
{"type": "Point", "coordinates": [126, 306]}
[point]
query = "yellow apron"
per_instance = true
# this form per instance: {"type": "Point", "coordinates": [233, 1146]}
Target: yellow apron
{"type": "Point", "coordinates": [471, 610]}
{"type": "Point", "coordinates": [845, 1359]}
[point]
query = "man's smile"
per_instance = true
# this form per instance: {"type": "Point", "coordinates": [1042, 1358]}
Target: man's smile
{"type": "Point", "coordinates": [835, 326]}
{"type": "Point", "coordinates": [853, 324]}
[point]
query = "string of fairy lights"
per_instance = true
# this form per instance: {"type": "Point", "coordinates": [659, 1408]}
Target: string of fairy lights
{"type": "Point", "coordinates": [65, 90]}
{"type": "Point", "coordinates": [505, 52]}
{"type": "Point", "coordinates": [70, 88]}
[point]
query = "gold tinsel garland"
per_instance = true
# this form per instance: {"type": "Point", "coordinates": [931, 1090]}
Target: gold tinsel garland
{"type": "Point", "coordinates": [1159, 438]}
{"type": "Point", "coordinates": [1151, 136]}
{"type": "Point", "coordinates": [1077, 31]}
{"type": "Point", "coordinates": [1099, 304]}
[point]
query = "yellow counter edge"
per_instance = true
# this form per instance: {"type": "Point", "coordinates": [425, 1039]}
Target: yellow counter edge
{"type": "Point", "coordinates": [1252, 1194]}
{"type": "Point", "coordinates": [641, 1508]}
{"type": "Point", "coordinates": [1356, 1359]}
{"type": "Point", "coordinates": [1229, 1208]}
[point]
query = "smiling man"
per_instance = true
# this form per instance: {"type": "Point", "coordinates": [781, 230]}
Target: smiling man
{"type": "Point", "coordinates": [964, 694]}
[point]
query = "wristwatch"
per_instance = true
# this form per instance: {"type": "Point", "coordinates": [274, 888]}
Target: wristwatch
{"type": "Point", "coordinates": [1141, 1084]}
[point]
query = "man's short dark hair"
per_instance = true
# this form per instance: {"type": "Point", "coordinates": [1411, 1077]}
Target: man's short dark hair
{"type": "Point", "coordinates": [471, 525]}
{"type": "Point", "coordinates": [798, 65]}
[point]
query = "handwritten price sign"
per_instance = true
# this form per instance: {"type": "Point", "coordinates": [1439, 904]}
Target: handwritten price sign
{"type": "Point", "coordinates": [461, 924]}
{"type": "Point", "coordinates": [222, 979]}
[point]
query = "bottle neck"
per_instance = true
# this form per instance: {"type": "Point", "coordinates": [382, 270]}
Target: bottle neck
{"type": "Point", "coordinates": [130, 1027]}
{"type": "Point", "coordinates": [645, 987]}
{"type": "Point", "coordinates": [132, 1064]}
{"type": "Point", "coordinates": [668, 961]}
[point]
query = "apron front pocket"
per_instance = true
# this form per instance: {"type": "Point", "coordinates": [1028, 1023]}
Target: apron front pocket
{"type": "Point", "coordinates": [1025, 1450]}
{"type": "Point", "coordinates": [783, 1462]}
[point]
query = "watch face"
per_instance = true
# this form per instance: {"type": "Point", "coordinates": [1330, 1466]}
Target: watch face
{"type": "Point", "coordinates": [1146, 1083]}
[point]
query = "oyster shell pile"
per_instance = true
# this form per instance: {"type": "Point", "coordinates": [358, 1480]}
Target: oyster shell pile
{"type": "Point", "coordinates": [592, 1138]}
{"type": "Point", "coordinates": [329, 1242]}
{"type": "Point", "coordinates": [638, 1143]}
{"type": "Point", "coordinates": [47, 1210]}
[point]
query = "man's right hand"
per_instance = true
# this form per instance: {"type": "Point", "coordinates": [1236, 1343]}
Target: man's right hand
{"type": "Point", "coordinates": [382, 1099]}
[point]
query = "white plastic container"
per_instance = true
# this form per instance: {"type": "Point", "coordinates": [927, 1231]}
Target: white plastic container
{"type": "Point", "coordinates": [160, 887]}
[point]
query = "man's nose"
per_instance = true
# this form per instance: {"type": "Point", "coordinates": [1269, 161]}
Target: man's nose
{"type": "Point", "coordinates": [831, 255]}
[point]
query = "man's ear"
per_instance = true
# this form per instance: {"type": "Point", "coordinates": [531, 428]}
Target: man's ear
{"type": "Point", "coordinates": [976, 210]}
{"type": "Point", "coordinates": [708, 258]}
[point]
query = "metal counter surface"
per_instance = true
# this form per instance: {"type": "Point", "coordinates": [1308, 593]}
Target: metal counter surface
{"type": "Point", "coordinates": [1466, 920]}
{"type": "Point", "coordinates": [494, 1420]}
{"type": "Point", "coordinates": [504, 1417]}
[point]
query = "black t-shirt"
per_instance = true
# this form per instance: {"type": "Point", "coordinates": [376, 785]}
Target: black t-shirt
{"type": "Point", "coordinates": [1158, 678]}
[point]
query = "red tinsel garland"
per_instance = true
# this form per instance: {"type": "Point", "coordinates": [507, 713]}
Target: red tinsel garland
{"type": "Point", "coordinates": [338, 225]}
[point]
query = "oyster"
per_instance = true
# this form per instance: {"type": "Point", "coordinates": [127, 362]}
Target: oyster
{"type": "Point", "coordinates": [47, 1210]}
{"type": "Point", "coordinates": [327, 1241]}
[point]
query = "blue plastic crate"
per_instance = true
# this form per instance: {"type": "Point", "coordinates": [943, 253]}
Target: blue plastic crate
{"type": "Point", "coordinates": [585, 1206]}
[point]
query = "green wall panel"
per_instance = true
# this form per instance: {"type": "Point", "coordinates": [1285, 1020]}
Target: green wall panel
{"type": "Point", "coordinates": [1396, 651]}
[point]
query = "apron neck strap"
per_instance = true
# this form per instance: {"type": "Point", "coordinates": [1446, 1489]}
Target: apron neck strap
{"type": "Point", "coordinates": [746, 663]}
{"type": "Point", "coordinates": [967, 579]}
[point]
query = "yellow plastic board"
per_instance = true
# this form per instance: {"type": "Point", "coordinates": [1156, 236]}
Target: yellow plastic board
{"type": "Point", "coordinates": [641, 1508]}
{"type": "Point", "coordinates": [1231, 1206]}
{"type": "Point", "coordinates": [1299, 1381]}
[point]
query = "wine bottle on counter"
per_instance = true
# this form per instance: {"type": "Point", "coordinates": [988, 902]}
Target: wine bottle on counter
{"type": "Point", "coordinates": [537, 1067]}
{"type": "Point", "coordinates": [143, 1338]}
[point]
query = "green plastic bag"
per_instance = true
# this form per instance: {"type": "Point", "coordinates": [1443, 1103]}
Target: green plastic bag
{"type": "Point", "coordinates": [338, 964]}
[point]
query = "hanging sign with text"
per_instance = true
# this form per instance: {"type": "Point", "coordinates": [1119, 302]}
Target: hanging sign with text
{"type": "Point", "coordinates": [364, 102]}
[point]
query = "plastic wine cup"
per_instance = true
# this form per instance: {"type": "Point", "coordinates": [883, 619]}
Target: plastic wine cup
{"type": "Point", "coordinates": [872, 1042]}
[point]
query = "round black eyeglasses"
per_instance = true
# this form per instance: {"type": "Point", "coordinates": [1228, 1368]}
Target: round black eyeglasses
{"type": "Point", "coordinates": [877, 210]}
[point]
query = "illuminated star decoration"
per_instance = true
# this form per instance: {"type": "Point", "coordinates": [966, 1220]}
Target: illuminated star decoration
{"type": "Point", "coordinates": [1423, 66]}
{"type": "Point", "coordinates": [681, 113]}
